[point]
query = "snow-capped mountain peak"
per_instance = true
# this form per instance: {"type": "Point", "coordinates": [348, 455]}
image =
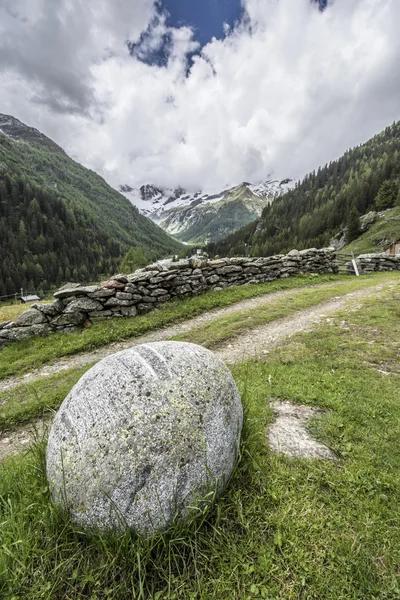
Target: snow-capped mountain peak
{"type": "Point", "coordinates": [176, 210]}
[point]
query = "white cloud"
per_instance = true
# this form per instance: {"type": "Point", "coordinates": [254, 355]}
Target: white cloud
{"type": "Point", "coordinates": [287, 90]}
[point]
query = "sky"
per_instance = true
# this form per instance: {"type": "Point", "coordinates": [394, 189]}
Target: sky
{"type": "Point", "coordinates": [202, 94]}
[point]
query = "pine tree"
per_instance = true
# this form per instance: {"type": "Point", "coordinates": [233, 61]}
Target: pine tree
{"type": "Point", "coordinates": [386, 196]}
{"type": "Point", "coordinates": [353, 225]}
{"type": "Point", "coordinates": [133, 259]}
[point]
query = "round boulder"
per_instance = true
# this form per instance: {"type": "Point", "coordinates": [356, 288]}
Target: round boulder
{"type": "Point", "coordinates": [143, 435]}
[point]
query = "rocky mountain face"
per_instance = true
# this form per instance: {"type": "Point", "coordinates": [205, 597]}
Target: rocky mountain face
{"type": "Point", "coordinates": [199, 217]}
{"type": "Point", "coordinates": [16, 130]}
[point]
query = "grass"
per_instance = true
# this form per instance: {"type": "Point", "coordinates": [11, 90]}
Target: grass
{"type": "Point", "coordinates": [383, 231]}
{"type": "Point", "coordinates": [20, 357]}
{"type": "Point", "coordinates": [11, 311]}
{"type": "Point", "coordinates": [27, 402]}
{"type": "Point", "coordinates": [284, 528]}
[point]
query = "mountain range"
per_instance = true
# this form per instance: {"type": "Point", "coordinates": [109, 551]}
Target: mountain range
{"type": "Point", "coordinates": [199, 217]}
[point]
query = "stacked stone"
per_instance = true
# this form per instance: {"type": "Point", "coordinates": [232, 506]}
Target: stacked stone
{"type": "Point", "coordinates": [77, 306]}
{"type": "Point", "coordinates": [368, 263]}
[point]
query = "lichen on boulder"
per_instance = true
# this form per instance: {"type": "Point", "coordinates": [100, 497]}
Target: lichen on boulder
{"type": "Point", "coordinates": [145, 434]}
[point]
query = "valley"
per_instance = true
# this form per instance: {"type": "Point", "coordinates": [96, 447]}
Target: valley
{"type": "Point", "coordinates": [200, 218]}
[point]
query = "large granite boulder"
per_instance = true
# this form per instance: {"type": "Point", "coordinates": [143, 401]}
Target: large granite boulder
{"type": "Point", "coordinates": [145, 434]}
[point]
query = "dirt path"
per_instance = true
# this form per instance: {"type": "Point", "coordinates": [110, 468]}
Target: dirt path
{"type": "Point", "coordinates": [250, 344]}
{"type": "Point", "coordinates": [82, 359]}
{"type": "Point", "coordinates": [263, 339]}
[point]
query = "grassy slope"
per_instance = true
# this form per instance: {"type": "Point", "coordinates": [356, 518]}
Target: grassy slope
{"type": "Point", "coordinates": [382, 232]}
{"type": "Point", "coordinates": [285, 528]}
{"type": "Point", "coordinates": [42, 161]}
{"type": "Point", "coordinates": [22, 356]}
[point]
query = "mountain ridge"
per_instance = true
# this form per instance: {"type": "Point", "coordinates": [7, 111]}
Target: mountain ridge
{"type": "Point", "coordinates": [198, 217]}
{"type": "Point", "coordinates": [52, 208]}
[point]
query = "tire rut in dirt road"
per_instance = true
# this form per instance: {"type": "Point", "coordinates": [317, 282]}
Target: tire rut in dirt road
{"type": "Point", "coordinates": [261, 340]}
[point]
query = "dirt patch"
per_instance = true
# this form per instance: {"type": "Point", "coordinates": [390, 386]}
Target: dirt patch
{"type": "Point", "coordinates": [289, 434]}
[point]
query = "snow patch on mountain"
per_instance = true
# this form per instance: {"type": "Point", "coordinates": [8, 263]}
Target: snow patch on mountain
{"type": "Point", "coordinates": [203, 217]}
{"type": "Point", "coordinates": [155, 202]}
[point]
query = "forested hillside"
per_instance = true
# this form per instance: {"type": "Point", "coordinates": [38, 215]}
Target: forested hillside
{"type": "Point", "coordinates": [95, 215]}
{"type": "Point", "coordinates": [364, 178]}
{"type": "Point", "coordinates": [44, 242]}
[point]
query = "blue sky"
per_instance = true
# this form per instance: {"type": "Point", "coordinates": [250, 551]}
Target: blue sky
{"type": "Point", "coordinates": [205, 16]}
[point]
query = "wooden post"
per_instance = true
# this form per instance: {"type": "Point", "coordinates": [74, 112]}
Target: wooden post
{"type": "Point", "coordinates": [353, 260]}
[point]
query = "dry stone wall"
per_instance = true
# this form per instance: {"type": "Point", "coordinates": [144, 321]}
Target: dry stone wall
{"type": "Point", "coordinates": [77, 306]}
{"type": "Point", "coordinates": [368, 263]}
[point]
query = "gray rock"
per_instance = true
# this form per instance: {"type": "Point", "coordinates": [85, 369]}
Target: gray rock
{"type": "Point", "coordinates": [131, 288]}
{"type": "Point", "coordinates": [113, 284]}
{"type": "Point", "coordinates": [128, 311]}
{"type": "Point", "coordinates": [30, 317]}
{"type": "Point", "coordinates": [69, 319]}
{"type": "Point", "coordinates": [102, 293]}
{"type": "Point", "coordinates": [83, 305]}
{"type": "Point", "coordinates": [19, 333]}
{"type": "Point", "coordinates": [144, 308]}
{"type": "Point", "coordinates": [218, 262]}
{"type": "Point", "coordinates": [159, 292]}
{"type": "Point", "coordinates": [229, 269]}
{"type": "Point", "coordinates": [140, 275]}
{"type": "Point", "coordinates": [50, 310]}
{"type": "Point", "coordinates": [100, 313]}
{"type": "Point", "coordinates": [143, 290]}
{"type": "Point", "coordinates": [183, 289]}
{"type": "Point", "coordinates": [116, 302]}
{"type": "Point", "coordinates": [13, 335]}
{"type": "Point", "coordinates": [75, 289]}
{"type": "Point", "coordinates": [213, 279]}
{"type": "Point", "coordinates": [4, 323]}
{"type": "Point", "coordinates": [144, 435]}
{"type": "Point", "coordinates": [120, 278]}
{"type": "Point", "coordinates": [181, 264]}
{"type": "Point", "coordinates": [127, 296]}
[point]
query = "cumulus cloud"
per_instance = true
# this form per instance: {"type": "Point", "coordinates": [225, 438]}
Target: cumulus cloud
{"type": "Point", "coordinates": [288, 88]}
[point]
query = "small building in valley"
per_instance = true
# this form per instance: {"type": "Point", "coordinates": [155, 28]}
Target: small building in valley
{"type": "Point", "coordinates": [25, 299]}
{"type": "Point", "coordinates": [393, 247]}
